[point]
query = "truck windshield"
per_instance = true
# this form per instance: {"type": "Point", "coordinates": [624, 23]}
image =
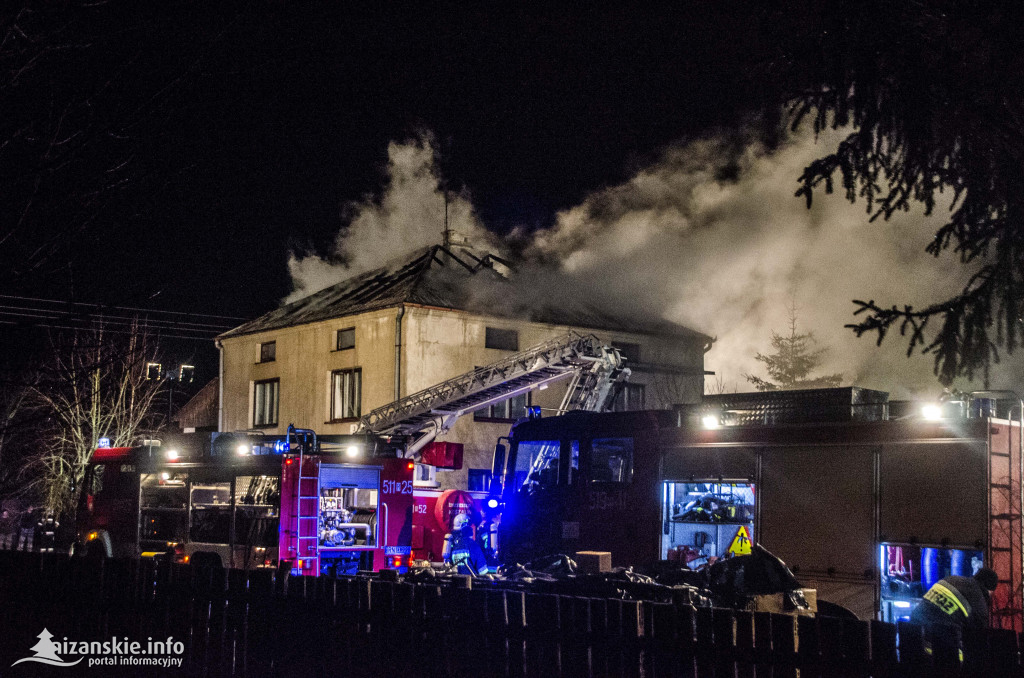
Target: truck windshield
{"type": "Point", "coordinates": [537, 463]}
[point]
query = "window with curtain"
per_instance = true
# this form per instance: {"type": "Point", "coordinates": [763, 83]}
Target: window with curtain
{"type": "Point", "coordinates": [346, 394]}
{"type": "Point", "coordinates": [265, 405]}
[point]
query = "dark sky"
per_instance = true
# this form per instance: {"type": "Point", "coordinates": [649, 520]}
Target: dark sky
{"type": "Point", "coordinates": [250, 126]}
{"type": "Point", "coordinates": [173, 157]}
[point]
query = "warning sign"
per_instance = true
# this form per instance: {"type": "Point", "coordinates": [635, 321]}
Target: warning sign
{"type": "Point", "coordinates": [740, 545]}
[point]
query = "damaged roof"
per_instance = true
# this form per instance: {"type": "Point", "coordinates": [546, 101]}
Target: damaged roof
{"type": "Point", "coordinates": [463, 279]}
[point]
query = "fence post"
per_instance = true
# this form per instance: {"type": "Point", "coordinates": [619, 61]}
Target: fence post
{"type": "Point", "coordinates": [913, 657]}
{"type": "Point", "coordinates": [809, 635]}
{"type": "Point", "coordinates": [884, 657]}
{"type": "Point", "coordinates": [784, 637]}
{"type": "Point", "coordinates": [704, 624]}
{"type": "Point", "coordinates": [1003, 652]}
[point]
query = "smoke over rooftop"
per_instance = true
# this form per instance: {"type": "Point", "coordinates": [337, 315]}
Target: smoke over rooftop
{"type": "Point", "coordinates": [708, 235]}
{"type": "Point", "coordinates": [409, 213]}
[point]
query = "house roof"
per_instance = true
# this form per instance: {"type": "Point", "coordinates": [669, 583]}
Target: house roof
{"type": "Point", "coordinates": [464, 279]}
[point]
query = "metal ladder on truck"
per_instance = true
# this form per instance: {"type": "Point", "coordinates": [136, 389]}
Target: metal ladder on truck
{"type": "Point", "coordinates": [596, 371]}
{"type": "Point", "coordinates": [1005, 551]}
{"type": "Point", "coordinates": [307, 506]}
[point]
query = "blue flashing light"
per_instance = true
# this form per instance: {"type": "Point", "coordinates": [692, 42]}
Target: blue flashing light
{"type": "Point", "coordinates": [281, 447]}
{"type": "Point", "coordinates": [492, 503]}
{"type": "Point", "coordinates": [533, 412]}
{"type": "Point", "coordinates": [103, 443]}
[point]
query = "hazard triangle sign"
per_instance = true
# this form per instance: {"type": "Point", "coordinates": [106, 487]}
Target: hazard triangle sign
{"type": "Point", "coordinates": [740, 545]}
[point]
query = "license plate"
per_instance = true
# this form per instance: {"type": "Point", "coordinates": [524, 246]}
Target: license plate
{"type": "Point", "coordinates": [397, 550]}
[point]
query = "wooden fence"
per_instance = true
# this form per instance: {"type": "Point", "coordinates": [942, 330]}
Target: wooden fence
{"type": "Point", "coordinates": [260, 623]}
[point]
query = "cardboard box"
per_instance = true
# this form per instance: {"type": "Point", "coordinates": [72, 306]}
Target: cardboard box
{"type": "Point", "coordinates": [779, 603]}
{"type": "Point", "coordinates": [594, 562]}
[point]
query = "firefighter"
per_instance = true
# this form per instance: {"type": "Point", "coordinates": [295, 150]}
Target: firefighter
{"type": "Point", "coordinates": [461, 550]}
{"type": "Point", "coordinates": [26, 537]}
{"type": "Point", "coordinates": [957, 601]}
{"type": "Point", "coordinates": [7, 530]}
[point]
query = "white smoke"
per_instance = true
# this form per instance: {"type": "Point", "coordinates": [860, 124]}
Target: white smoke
{"type": "Point", "coordinates": [723, 256]}
{"type": "Point", "coordinates": [408, 214]}
{"type": "Point", "coordinates": [728, 256]}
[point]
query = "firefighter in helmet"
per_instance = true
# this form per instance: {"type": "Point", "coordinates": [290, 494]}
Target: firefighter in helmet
{"type": "Point", "coordinates": [461, 550]}
{"type": "Point", "coordinates": [957, 601]}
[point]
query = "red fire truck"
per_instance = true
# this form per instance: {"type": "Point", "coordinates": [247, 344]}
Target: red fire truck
{"type": "Point", "coordinates": [327, 504]}
{"type": "Point", "coordinates": [869, 509]}
{"type": "Point", "coordinates": [333, 503]}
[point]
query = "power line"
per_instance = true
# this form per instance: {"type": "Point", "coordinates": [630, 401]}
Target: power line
{"type": "Point", "coordinates": [122, 308]}
{"type": "Point", "coordinates": [70, 315]}
{"type": "Point", "coordinates": [45, 314]}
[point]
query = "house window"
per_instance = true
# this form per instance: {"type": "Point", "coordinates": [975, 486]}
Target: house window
{"type": "Point", "coordinates": [629, 399]}
{"type": "Point", "coordinates": [265, 402]}
{"type": "Point", "coordinates": [479, 480]}
{"type": "Point", "coordinates": [506, 410]}
{"type": "Point", "coordinates": [631, 352]}
{"type": "Point", "coordinates": [346, 394]}
{"type": "Point", "coordinates": [346, 339]}
{"type": "Point", "coordinates": [505, 340]}
{"type": "Point", "coordinates": [268, 351]}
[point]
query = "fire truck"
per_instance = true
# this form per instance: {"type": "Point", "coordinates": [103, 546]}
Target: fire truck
{"type": "Point", "coordinates": [321, 504]}
{"type": "Point", "coordinates": [245, 500]}
{"type": "Point", "coordinates": [594, 374]}
{"type": "Point", "coordinates": [868, 507]}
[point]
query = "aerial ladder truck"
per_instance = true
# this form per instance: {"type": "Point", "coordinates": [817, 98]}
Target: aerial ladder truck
{"type": "Point", "coordinates": [595, 373]}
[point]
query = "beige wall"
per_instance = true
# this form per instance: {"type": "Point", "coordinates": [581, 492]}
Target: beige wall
{"type": "Point", "coordinates": [305, 360]}
{"type": "Point", "coordinates": [437, 344]}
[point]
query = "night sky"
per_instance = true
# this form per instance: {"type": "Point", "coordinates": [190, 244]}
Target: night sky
{"type": "Point", "coordinates": [174, 157]}
{"type": "Point", "coordinates": [250, 125]}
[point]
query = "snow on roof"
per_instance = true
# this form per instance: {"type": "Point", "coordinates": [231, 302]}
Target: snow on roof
{"type": "Point", "coordinates": [464, 279]}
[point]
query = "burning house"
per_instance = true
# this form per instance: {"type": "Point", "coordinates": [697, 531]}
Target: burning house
{"type": "Point", "coordinates": [324, 361]}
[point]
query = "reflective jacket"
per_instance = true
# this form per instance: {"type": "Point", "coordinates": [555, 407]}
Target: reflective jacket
{"type": "Point", "coordinates": [463, 552]}
{"type": "Point", "coordinates": [960, 601]}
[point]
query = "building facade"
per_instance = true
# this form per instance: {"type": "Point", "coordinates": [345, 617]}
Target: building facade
{"type": "Point", "coordinates": [325, 361]}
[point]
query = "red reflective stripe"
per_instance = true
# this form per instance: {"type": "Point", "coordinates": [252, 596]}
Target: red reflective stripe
{"type": "Point", "coordinates": [107, 453]}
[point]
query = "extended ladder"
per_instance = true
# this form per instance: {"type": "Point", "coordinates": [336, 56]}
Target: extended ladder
{"type": "Point", "coordinates": [595, 369]}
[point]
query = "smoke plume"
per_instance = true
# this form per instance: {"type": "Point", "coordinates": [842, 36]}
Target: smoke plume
{"type": "Point", "coordinates": [408, 214]}
{"type": "Point", "coordinates": [709, 235]}
{"type": "Point", "coordinates": [719, 237]}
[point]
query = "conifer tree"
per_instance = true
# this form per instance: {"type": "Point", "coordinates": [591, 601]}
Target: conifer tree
{"type": "Point", "coordinates": [930, 95]}
{"type": "Point", "coordinates": [792, 361]}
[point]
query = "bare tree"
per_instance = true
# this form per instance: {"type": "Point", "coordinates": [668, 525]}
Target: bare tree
{"type": "Point", "coordinates": [85, 95]}
{"type": "Point", "coordinates": [717, 386]}
{"type": "Point", "coordinates": [96, 387]}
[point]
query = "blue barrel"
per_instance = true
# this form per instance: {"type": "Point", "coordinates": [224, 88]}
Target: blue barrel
{"type": "Point", "coordinates": [959, 563]}
{"type": "Point", "coordinates": [930, 571]}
